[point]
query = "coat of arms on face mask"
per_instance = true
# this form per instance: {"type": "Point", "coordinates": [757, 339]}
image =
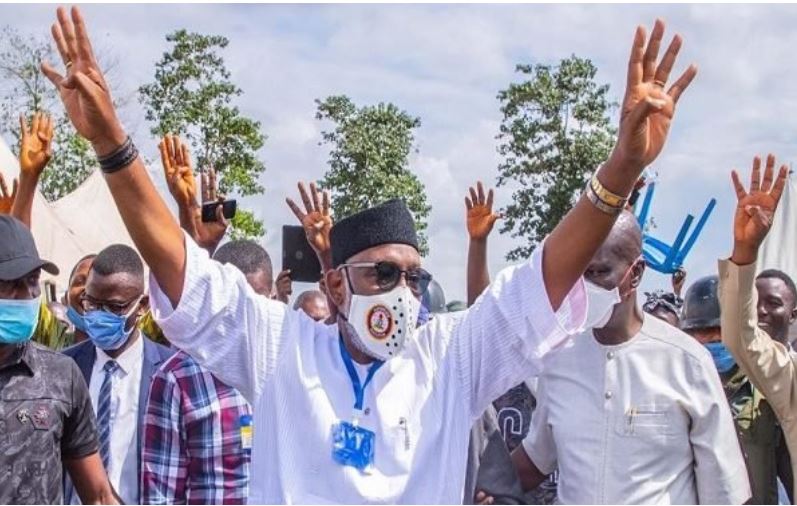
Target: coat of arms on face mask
{"type": "Point", "coordinates": [379, 322]}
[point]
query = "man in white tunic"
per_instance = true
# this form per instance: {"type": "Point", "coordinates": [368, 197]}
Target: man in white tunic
{"type": "Point", "coordinates": [330, 423]}
{"type": "Point", "coordinates": [631, 411]}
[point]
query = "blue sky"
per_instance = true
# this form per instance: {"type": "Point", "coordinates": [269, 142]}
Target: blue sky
{"type": "Point", "coordinates": [446, 63]}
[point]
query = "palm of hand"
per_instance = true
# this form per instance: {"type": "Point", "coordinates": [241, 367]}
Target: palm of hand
{"type": "Point", "coordinates": [33, 156]}
{"type": "Point", "coordinates": [84, 115]}
{"type": "Point", "coordinates": [5, 204]}
{"type": "Point", "coordinates": [184, 185]}
{"type": "Point", "coordinates": [745, 227]}
{"type": "Point", "coordinates": [317, 226]}
{"type": "Point", "coordinates": [647, 142]}
{"type": "Point", "coordinates": [480, 221]}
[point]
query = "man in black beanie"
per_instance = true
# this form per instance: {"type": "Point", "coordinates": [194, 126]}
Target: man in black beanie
{"type": "Point", "coordinates": [371, 409]}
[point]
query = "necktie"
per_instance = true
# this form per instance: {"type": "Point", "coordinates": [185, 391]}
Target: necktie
{"type": "Point", "coordinates": [104, 412]}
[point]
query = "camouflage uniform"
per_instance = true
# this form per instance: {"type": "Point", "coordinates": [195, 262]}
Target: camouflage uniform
{"type": "Point", "coordinates": [761, 439]}
{"type": "Point", "coordinates": [45, 416]}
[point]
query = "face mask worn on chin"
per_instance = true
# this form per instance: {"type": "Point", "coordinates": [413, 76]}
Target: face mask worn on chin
{"type": "Point", "coordinates": [723, 360]}
{"type": "Point", "coordinates": [18, 320]}
{"type": "Point", "coordinates": [107, 330]}
{"type": "Point", "coordinates": [77, 319]}
{"type": "Point", "coordinates": [382, 323]}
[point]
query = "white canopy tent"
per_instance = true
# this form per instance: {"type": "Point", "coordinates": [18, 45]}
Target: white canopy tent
{"type": "Point", "coordinates": [83, 222]}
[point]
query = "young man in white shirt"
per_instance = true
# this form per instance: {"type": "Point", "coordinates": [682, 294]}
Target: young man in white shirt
{"type": "Point", "coordinates": [117, 362]}
{"type": "Point", "coordinates": [323, 431]}
{"type": "Point", "coordinates": [631, 411]}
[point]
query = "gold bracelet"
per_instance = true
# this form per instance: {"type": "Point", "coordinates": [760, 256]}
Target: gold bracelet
{"type": "Point", "coordinates": [605, 195]}
{"type": "Point", "coordinates": [601, 205]}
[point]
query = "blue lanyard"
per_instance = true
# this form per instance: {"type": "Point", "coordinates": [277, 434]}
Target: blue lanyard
{"type": "Point", "coordinates": [359, 391]}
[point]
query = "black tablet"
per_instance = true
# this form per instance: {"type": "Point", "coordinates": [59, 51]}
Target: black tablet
{"type": "Point", "coordinates": [298, 255]}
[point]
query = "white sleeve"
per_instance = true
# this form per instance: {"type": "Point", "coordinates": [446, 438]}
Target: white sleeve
{"type": "Point", "coordinates": [720, 469]}
{"type": "Point", "coordinates": [220, 321]}
{"type": "Point", "coordinates": [500, 340]}
{"type": "Point", "coordinates": [539, 444]}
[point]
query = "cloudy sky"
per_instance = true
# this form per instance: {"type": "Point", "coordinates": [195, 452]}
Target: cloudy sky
{"type": "Point", "coordinates": [445, 63]}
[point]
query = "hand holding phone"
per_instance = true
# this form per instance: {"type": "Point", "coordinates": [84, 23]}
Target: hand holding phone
{"type": "Point", "coordinates": [229, 207]}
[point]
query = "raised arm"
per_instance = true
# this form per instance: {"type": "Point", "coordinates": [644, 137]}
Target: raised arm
{"type": "Point", "coordinates": [480, 220]}
{"type": "Point", "coordinates": [766, 362]}
{"type": "Point", "coordinates": [179, 173]}
{"type": "Point", "coordinates": [647, 112]}
{"type": "Point", "coordinates": [88, 104]}
{"type": "Point", "coordinates": [35, 151]}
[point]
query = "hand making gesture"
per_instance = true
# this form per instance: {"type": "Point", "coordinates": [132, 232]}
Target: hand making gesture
{"type": "Point", "coordinates": [648, 109]}
{"type": "Point", "coordinates": [178, 170]}
{"type": "Point", "coordinates": [83, 89]}
{"type": "Point", "coordinates": [755, 209]}
{"type": "Point", "coordinates": [480, 215]}
{"type": "Point", "coordinates": [35, 144]}
{"type": "Point", "coordinates": [6, 198]}
{"type": "Point", "coordinates": [316, 220]}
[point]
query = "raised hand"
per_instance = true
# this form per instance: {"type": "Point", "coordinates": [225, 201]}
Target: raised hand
{"type": "Point", "coordinates": [178, 171]}
{"type": "Point", "coordinates": [209, 235]}
{"type": "Point", "coordinates": [35, 144]}
{"type": "Point", "coordinates": [480, 215]}
{"type": "Point", "coordinates": [83, 90]}
{"type": "Point", "coordinates": [647, 109]}
{"type": "Point", "coordinates": [315, 219]}
{"type": "Point", "coordinates": [755, 209]}
{"type": "Point", "coordinates": [283, 286]}
{"type": "Point", "coordinates": [6, 198]}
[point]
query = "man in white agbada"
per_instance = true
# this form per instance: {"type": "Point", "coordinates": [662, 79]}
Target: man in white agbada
{"type": "Point", "coordinates": [631, 411]}
{"type": "Point", "coordinates": [408, 441]}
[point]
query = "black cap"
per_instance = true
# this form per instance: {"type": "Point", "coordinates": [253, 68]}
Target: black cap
{"type": "Point", "coordinates": [701, 308]}
{"type": "Point", "coordinates": [387, 223]}
{"type": "Point", "coordinates": [18, 253]}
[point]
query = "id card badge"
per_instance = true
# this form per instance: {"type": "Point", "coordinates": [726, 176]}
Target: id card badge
{"type": "Point", "coordinates": [353, 445]}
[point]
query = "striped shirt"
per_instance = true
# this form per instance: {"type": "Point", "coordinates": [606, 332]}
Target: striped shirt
{"type": "Point", "coordinates": [193, 451]}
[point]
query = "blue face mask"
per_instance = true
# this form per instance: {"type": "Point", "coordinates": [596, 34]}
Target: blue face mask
{"type": "Point", "coordinates": [107, 330]}
{"type": "Point", "coordinates": [18, 320]}
{"type": "Point", "coordinates": [723, 360]}
{"type": "Point", "coordinates": [76, 318]}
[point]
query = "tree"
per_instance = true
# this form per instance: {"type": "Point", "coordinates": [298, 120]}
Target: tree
{"type": "Point", "coordinates": [554, 134]}
{"type": "Point", "coordinates": [368, 160]}
{"type": "Point", "coordinates": [25, 90]}
{"type": "Point", "coordinates": [192, 96]}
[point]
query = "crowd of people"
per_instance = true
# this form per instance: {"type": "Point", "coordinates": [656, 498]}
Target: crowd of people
{"type": "Point", "coordinates": [555, 383]}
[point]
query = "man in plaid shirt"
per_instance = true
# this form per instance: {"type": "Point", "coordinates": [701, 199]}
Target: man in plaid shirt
{"type": "Point", "coordinates": [194, 452]}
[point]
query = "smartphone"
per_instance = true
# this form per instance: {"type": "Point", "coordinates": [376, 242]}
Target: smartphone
{"type": "Point", "coordinates": [298, 255]}
{"type": "Point", "coordinates": [209, 210]}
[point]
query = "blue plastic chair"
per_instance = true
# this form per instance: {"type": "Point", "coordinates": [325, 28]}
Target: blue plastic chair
{"type": "Point", "coordinates": [663, 257]}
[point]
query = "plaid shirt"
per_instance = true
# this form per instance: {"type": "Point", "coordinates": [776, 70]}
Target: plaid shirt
{"type": "Point", "coordinates": [192, 439]}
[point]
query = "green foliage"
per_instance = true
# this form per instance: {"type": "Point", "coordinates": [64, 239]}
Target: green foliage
{"type": "Point", "coordinates": [554, 134]}
{"type": "Point", "coordinates": [246, 226]}
{"type": "Point", "coordinates": [192, 95]}
{"type": "Point", "coordinates": [26, 90]}
{"type": "Point", "coordinates": [368, 160]}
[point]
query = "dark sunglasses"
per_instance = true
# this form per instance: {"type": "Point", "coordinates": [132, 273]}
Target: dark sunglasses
{"type": "Point", "coordinates": [389, 274]}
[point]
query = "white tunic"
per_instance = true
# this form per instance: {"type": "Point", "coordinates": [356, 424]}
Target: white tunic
{"type": "Point", "coordinates": [421, 404]}
{"type": "Point", "coordinates": [643, 422]}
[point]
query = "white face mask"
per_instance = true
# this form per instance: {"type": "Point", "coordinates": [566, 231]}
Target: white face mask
{"type": "Point", "coordinates": [383, 322]}
{"type": "Point", "coordinates": [600, 305]}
